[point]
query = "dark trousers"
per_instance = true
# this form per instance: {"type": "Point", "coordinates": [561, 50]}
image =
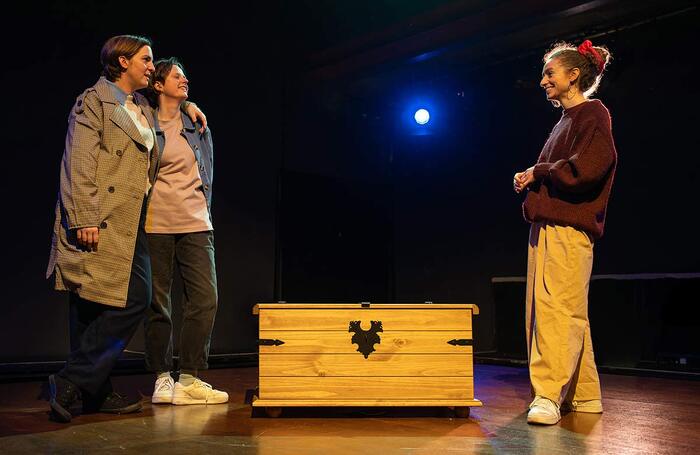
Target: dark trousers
{"type": "Point", "coordinates": [99, 333]}
{"type": "Point", "coordinates": [194, 255]}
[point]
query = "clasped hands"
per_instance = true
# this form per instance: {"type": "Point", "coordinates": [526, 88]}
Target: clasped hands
{"type": "Point", "coordinates": [521, 180]}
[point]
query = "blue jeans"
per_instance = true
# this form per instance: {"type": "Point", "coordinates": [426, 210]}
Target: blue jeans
{"type": "Point", "coordinates": [194, 255]}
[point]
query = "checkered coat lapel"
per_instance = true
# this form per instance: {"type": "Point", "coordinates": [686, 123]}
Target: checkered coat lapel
{"type": "Point", "coordinates": [122, 119]}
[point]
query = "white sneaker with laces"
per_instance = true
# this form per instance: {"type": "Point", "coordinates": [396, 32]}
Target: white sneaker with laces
{"type": "Point", "coordinates": [199, 392]}
{"type": "Point", "coordinates": [163, 390]}
{"type": "Point", "coordinates": [543, 411]}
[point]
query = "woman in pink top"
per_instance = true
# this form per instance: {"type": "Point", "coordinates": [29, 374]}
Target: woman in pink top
{"type": "Point", "coordinates": [180, 231]}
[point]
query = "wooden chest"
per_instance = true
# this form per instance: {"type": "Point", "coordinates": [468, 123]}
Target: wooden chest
{"type": "Point", "coordinates": [365, 354]}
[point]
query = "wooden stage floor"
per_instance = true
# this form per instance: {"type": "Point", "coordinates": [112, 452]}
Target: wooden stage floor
{"type": "Point", "coordinates": [642, 416]}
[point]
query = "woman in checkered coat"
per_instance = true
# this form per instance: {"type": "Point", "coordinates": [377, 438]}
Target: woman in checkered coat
{"type": "Point", "coordinates": [99, 252]}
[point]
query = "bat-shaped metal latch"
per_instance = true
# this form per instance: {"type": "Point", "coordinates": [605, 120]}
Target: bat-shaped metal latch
{"type": "Point", "coordinates": [365, 340]}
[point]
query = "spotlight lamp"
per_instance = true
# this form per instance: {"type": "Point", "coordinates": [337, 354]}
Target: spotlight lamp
{"type": "Point", "coordinates": [422, 116]}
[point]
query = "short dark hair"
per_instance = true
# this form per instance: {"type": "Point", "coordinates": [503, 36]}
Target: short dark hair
{"type": "Point", "coordinates": [163, 68]}
{"type": "Point", "coordinates": [591, 70]}
{"type": "Point", "coordinates": [117, 46]}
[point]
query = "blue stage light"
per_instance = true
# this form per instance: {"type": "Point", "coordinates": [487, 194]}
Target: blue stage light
{"type": "Point", "coordinates": [422, 116]}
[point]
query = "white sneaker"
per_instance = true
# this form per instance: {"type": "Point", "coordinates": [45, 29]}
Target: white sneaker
{"type": "Point", "coordinates": [163, 390]}
{"type": "Point", "coordinates": [199, 392]}
{"type": "Point", "coordinates": [543, 411]}
{"type": "Point", "coordinates": [588, 406]}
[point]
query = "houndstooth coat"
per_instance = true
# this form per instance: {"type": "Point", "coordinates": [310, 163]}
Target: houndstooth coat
{"type": "Point", "coordinates": [103, 182]}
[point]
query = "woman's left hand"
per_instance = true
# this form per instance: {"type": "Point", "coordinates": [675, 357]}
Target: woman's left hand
{"type": "Point", "coordinates": [522, 180]}
{"type": "Point", "coordinates": [196, 114]}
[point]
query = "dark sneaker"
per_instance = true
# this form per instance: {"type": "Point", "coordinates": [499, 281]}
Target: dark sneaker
{"type": "Point", "coordinates": [117, 404]}
{"type": "Point", "coordinates": [62, 395]}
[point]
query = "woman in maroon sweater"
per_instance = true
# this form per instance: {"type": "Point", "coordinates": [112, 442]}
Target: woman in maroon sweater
{"type": "Point", "coordinates": [567, 196]}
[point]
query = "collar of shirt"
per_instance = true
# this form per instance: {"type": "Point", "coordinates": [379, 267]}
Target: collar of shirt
{"type": "Point", "coordinates": [187, 124]}
{"type": "Point", "coordinates": [119, 94]}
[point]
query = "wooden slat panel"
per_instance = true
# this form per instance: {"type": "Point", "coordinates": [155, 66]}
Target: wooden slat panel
{"type": "Point", "coordinates": [420, 388]}
{"type": "Point", "coordinates": [392, 342]}
{"type": "Point", "coordinates": [400, 319]}
{"type": "Point", "coordinates": [329, 365]}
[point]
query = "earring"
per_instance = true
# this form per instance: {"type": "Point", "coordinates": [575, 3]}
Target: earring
{"type": "Point", "coordinates": [570, 93]}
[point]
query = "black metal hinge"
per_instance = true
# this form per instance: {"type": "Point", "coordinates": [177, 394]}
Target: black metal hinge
{"type": "Point", "coordinates": [269, 342]}
{"type": "Point", "coordinates": [460, 342]}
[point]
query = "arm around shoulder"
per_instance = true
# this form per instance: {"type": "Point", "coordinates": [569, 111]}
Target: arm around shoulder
{"type": "Point", "coordinates": [196, 114]}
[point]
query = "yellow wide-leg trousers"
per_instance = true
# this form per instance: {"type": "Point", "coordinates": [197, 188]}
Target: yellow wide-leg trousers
{"type": "Point", "coordinates": [560, 351]}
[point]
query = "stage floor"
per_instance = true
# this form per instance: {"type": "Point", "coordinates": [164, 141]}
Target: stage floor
{"type": "Point", "coordinates": [642, 415]}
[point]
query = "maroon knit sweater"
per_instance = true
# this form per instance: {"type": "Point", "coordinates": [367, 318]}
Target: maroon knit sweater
{"type": "Point", "coordinates": [575, 171]}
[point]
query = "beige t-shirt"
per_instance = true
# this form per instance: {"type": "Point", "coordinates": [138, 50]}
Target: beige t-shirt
{"type": "Point", "coordinates": [178, 204]}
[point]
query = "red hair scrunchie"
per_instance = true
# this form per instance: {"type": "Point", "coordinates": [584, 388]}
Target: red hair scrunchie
{"type": "Point", "coordinates": [587, 48]}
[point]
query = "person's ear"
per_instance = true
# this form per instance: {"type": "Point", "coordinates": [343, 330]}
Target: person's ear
{"type": "Point", "coordinates": [123, 62]}
{"type": "Point", "coordinates": [158, 86]}
{"type": "Point", "coordinates": [574, 73]}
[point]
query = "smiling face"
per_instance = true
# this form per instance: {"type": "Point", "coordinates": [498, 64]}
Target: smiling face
{"type": "Point", "coordinates": [175, 85]}
{"type": "Point", "coordinates": [138, 69]}
{"type": "Point", "coordinates": [557, 79]}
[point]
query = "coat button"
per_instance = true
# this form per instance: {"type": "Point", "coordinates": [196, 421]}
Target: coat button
{"type": "Point", "coordinates": [110, 189]}
{"type": "Point", "coordinates": [103, 225]}
{"type": "Point", "coordinates": [119, 153]}
{"type": "Point", "coordinates": [80, 103]}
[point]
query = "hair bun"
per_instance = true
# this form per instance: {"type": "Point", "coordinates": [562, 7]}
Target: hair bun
{"type": "Point", "coordinates": [587, 50]}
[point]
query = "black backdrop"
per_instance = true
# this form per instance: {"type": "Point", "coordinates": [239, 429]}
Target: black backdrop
{"type": "Point", "coordinates": [456, 222]}
{"type": "Point", "coordinates": [232, 58]}
{"type": "Point", "coordinates": [391, 216]}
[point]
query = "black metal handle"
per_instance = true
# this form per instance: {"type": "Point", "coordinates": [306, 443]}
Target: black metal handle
{"type": "Point", "coordinates": [460, 342]}
{"type": "Point", "coordinates": [269, 342]}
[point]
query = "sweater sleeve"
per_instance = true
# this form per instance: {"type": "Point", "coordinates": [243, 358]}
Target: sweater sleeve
{"type": "Point", "coordinates": [593, 155]}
